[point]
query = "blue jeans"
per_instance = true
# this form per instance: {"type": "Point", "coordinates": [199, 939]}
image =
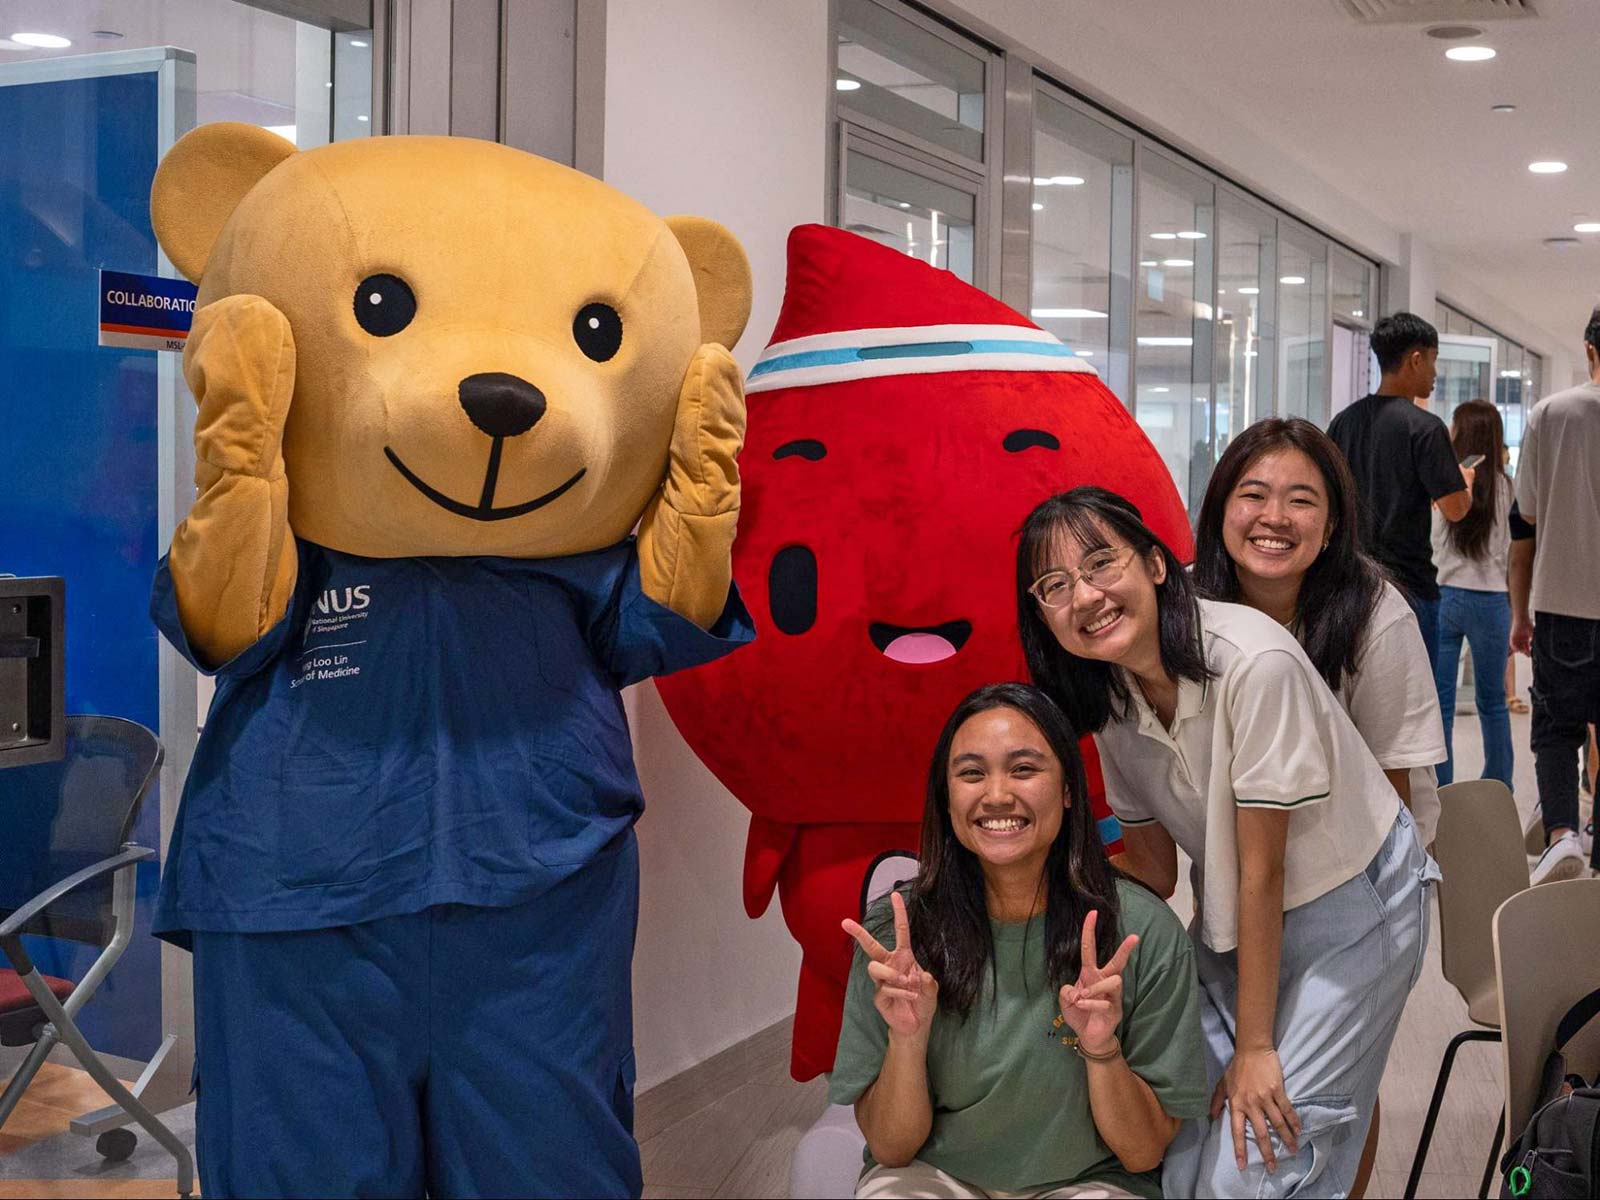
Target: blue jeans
{"type": "Point", "coordinates": [1428, 621]}
{"type": "Point", "coordinates": [1484, 619]}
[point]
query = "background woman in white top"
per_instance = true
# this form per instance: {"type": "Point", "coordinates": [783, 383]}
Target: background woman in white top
{"type": "Point", "coordinates": [1279, 531]}
{"type": "Point", "coordinates": [1473, 602]}
{"type": "Point", "coordinates": [1217, 734]}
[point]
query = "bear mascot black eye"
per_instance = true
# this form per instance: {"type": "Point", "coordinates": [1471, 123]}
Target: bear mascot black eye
{"type": "Point", "coordinates": [598, 331]}
{"type": "Point", "coordinates": [384, 305]}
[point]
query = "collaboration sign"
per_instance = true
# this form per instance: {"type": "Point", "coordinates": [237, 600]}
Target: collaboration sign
{"type": "Point", "coordinates": [145, 312]}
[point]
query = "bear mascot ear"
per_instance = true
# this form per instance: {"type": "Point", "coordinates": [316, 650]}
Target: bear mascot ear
{"type": "Point", "coordinates": [201, 181]}
{"type": "Point", "coordinates": [721, 277]}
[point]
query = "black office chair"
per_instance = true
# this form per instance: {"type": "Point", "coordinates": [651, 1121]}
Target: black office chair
{"type": "Point", "coordinates": [67, 870]}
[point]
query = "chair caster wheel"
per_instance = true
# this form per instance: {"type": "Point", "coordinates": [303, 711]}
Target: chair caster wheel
{"type": "Point", "coordinates": [115, 1145]}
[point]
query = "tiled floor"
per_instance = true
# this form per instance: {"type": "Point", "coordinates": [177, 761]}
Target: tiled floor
{"type": "Point", "coordinates": [729, 1126]}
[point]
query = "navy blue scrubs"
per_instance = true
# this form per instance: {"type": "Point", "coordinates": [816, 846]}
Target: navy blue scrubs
{"type": "Point", "coordinates": [405, 863]}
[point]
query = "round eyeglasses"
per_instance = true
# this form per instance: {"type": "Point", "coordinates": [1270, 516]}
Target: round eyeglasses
{"type": "Point", "coordinates": [1099, 570]}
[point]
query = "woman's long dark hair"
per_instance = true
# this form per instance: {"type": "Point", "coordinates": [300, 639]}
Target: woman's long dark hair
{"type": "Point", "coordinates": [948, 913]}
{"type": "Point", "coordinates": [1476, 429]}
{"type": "Point", "coordinates": [1342, 586]}
{"type": "Point", "coordinates": [1089, 691]}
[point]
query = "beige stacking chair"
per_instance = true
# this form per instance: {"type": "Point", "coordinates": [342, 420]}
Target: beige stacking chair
{"type": "Point", "coordinates": [1545, 962]}
{"type": "Point", "coordinates": [1479, 850]}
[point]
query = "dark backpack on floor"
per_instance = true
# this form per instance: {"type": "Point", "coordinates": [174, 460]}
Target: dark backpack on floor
{"type": "Point", "coordinates": [1558, 1155]}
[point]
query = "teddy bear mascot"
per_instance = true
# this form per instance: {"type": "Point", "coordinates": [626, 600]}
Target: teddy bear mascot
{"type": "Point", "coordinates": [439, 381]}
{"type": "Point", "coordinates": [902, 425]}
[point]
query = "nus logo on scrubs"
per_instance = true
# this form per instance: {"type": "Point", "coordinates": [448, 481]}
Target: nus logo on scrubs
{"type": "Point", "coordinates": [344, 600]}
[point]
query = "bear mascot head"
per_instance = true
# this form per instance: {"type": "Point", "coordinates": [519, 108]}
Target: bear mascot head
{"type": "Point", "coordinates": [902, 425]}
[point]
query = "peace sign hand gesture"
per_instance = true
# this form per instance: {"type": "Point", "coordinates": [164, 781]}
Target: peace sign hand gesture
{"type": "Point", "coordinates": [906, 995]}
{"type": "Point", "coordinates": [1092, 1007]}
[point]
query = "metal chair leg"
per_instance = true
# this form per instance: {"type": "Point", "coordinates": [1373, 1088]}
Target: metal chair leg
{"type": "Point", "coordinates": [25, 1073]}
{"type": "Point", "coordinates": [1445, 1067]}
{"type": "Point", "coordinates": [1494, 1156]}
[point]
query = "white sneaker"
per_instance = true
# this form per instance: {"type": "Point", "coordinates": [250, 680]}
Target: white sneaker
{"type": "Point", "coordinates": [1562, 859]}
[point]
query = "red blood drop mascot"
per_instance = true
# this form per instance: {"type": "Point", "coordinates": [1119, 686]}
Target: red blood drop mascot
{"type": "Point", "coordinates": [902, 424]}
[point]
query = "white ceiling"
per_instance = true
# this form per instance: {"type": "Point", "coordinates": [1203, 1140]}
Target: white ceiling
{"type": "Point", "coordinates": [1377, 112]}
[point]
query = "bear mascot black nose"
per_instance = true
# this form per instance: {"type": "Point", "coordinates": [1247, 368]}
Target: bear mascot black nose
{"type": "Point", "coordinates": [501, 405]}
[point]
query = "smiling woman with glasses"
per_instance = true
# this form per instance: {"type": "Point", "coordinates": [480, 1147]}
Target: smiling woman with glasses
{"type": "Point", "coordinates": [1217, 734]}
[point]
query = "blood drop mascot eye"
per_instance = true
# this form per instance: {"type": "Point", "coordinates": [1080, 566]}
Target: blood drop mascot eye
{"type": "Point", "coordinates": [901, 426]}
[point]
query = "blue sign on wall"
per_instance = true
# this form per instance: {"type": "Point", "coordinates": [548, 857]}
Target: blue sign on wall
{"type": "Point", "coordinates": [145, 312]}
{"type": "Point", "coordinates": [79, 470]}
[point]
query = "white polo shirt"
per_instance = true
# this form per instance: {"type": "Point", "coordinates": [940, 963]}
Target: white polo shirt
{"type": "Point", "coordinates": [1392, 699]}
{"type": "Point", "coordinates": [1266, 732]}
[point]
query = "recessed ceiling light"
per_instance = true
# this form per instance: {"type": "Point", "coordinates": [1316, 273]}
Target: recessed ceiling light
{"type": "Point", "coordinates": [1177, 262]}
{"type": "Point", "coordinates": [1292, 280]}
{"type": "Point", "coordinates": [1470, 53]}
{"type": "Point", "coordinates": [1160, 389]}
{"type": "Point", "coordinates": [1249, 291]}
{"type": "Point", "coordinates": [42, 41]}
{"type": "Point", "coordinates": [362, 117]}
{"type": "Point", "coordinates": [1503, 108]}
{"type": "Point", "coordinates": [1550, 167]}
{"type": "Point", "coordinates": [1037, 207]}
{"type": "Point", "coordinates": [1164, 237]}
{"type": "Point", "coordinates": [1586, 227]}
{"type": "Point", "coordinates": [358, 45]}
{"type": "Point", "coordinates": [1148, 262]}
{"type": "Point", "coordinates": [1067, 180]}
{"type": "Point", "coordinates": [903, 203]}
{"type": "Point", "coordinates": [1510, 374]}
{"type": "Point", "coordinates": [1084, 353]}
{"type": "Point", "coordinates": [1041, 181]}
{"type": "Point", "coordinates": [1193, 235]}
{"type": "Point", "coordinates": [846, 85]}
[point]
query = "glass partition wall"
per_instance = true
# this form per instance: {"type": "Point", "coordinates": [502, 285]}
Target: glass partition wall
{"type": "Point", "coordinates": [1201, 305]}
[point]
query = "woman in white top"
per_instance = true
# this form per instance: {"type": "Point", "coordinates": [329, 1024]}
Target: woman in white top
{"type": "Point", "coordinates": [1279, 531]}
{"type": "Point", "coordinates": [1216, 734]}
{"type": "Point", "coordinates": [1473, 602]}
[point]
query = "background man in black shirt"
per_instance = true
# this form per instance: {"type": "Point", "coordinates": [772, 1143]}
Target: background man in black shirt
{"type": "Point", "coordinates": [1402, 460]}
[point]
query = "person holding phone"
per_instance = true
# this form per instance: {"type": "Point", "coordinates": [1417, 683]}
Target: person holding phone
{"type": "Point", "coordinates": [1474, 604]}
{"type": "Point", "coordinates": [1020, 1019]}
{"type": "Point", "coordinates": [1402, 460]}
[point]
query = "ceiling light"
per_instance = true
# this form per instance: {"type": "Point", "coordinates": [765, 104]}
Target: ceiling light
{"type": "Point", "coordinates": [1550, 167]}
{"type": "Point", "coordinates": [1249, 291]}
{"type": "Point", "coordinates": [1040, 181]}
{"type": "Point", "coordinates": [846, 85]}
{"type": "Point", "coordinates": [1356, 312]}
{"type": "Point", "coordinates": [903, 203]}
{"type": "Point", "coordinates": [1166, 341]}
{"type": "Point", "coordinates": [1292, 280]}
{"type": "Point", "coordinates": [1148, 262]}
{"type": "Point", "coordinates": [1586, 227]}
{"type": "Point", "coordinates": [329, 84]}
{"type": "Point", "coordinates": [1037, 207]}
{"type": "Point", "coordinates": [362, 117]}
{"type": "Point", "coordinates": [1067, 314]}
{"type": "Point", "coordinates": [1193, 235]}
{"type": "Point", "coordinates": [358, 45]}
{"type": "Point", "coordinates": [1158, 389]}
{"type": "Point", "coordinates": [1469, 53]}
{"type": "Point", "coordinates": [1066, 180]}
{"type": "Point", "coordinates": [1164, 237]}
{"type": "Point", "coordinates": [1084, 353]}
{"type": "Point", "coordinates": [1503, 108]}
{"type": "Point", "coordinates": [1510, 374]}
{"type": "Point", "coordinates": [1177, 262]}
{"type": "Point", "coordinates": [42, 41]}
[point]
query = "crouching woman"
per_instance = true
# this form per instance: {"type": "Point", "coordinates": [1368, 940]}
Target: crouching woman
{"type": "Point", "coordinates": [1019, 1018]}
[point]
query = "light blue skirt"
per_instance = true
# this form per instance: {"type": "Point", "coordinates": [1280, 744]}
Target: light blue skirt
{"type": "Point", "coordinates": [1350, 958]}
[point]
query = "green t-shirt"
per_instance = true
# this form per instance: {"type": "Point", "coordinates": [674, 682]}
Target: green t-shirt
{"type": "Point", "coordinates": [1010, 1102]}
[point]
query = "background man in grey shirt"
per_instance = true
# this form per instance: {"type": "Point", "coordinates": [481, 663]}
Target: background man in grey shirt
{"type": "Point", "coordinates": [1558, 492]}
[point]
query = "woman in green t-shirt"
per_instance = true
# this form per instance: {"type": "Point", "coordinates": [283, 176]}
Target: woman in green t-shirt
{"type": "Point", "coordinates": [984, 1046]}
